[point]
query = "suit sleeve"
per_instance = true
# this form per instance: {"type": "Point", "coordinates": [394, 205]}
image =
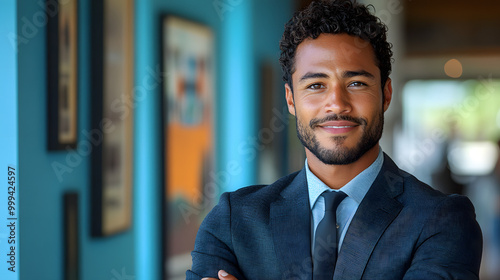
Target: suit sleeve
{"type": "Point", "coordinates": [450, 244]}
{"type": "Point", "coordinates": [213, 247]}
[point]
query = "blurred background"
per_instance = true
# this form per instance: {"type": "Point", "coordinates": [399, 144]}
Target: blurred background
{"type": "Point", "coordinates": [201, 83]}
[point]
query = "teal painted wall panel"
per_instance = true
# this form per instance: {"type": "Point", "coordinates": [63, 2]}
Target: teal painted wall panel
{"type": "Point", "coordinates": [238, 97]}
{"type": "Point", "coordinates": [41, 188]}
{"type": "Point", "coordinates": [9, 240]}
{"type": "Point", "coordinates": [147, 144]}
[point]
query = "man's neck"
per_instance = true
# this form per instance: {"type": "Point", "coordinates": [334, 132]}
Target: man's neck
{"type": "Point", "coordinates": [336, 176]}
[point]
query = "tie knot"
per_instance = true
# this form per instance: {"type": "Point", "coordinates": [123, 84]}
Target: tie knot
{"type": "Point", "coordinates": [333, 199]}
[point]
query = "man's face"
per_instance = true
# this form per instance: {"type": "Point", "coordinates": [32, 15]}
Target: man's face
{"type": "Point", "coordinates": [337, 97]}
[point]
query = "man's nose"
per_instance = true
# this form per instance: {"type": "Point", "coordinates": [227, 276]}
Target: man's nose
{"type": "Point", "coordinates": [338, 101]}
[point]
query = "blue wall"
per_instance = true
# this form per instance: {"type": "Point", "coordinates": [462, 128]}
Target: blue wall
{"type": "Point", "coordinates": [8, 127]}
{"type": "Point", "coordinates": [41, 191]}
{"type": "Point", "coordinates": [245, 32]}
{"type": "Point", "coordinates": [147, 162]}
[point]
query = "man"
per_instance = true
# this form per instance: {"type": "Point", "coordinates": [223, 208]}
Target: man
{"type": "Point", "coordinates": [385, 223]}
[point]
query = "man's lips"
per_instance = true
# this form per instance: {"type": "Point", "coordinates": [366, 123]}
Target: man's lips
{"type": "Point", "coordinates": [337, 124]}
{"type": "Point", "coordinates": [338, 127]}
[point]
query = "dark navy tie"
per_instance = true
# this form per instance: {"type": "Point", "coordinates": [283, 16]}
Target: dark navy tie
{"type": "Point", "coordinates": [326, 240]}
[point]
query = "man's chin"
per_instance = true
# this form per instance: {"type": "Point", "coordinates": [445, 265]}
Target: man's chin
{"type": "Point", "coordinates": [335, 156]}
{"type": "Point", "coordinates": [338, 143]}
{"type": "Point", "coordinates": [340, 154]}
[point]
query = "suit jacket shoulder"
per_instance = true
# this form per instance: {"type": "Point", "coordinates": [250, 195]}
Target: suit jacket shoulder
{"type": "Point", "coordinates": [261, 193]}
{"type": "Point", "coordinates": [404, 229]}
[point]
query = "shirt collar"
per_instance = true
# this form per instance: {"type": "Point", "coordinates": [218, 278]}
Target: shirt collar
{"type": "Point", "coordinates": [355, 189]}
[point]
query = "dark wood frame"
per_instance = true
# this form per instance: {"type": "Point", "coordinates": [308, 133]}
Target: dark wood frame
{"type": "Point", "coordinates": [62, 75]}
{"type": "Point", "coordinates": [71, 235]}
{"type": "Point", "coordinates": [112, 126]}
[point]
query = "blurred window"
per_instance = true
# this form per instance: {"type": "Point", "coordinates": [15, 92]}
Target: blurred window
{"type": "Point", "coordinates": [453, 123]}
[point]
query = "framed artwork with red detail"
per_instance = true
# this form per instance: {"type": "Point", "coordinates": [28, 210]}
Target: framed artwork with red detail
{"type": "Point", "coordinates": [187, 53]}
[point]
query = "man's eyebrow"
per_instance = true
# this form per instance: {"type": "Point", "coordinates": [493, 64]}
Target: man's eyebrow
{"type": "Point", "coordinates": [350, 74]}
{"type": "Point", "coordinates": [346, 74]}
{"type": "Point", "coordinates": [315, 75]}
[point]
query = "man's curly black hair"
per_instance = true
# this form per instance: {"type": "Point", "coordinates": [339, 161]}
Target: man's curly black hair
{"type": "Point", "coordinates": [335, 17]}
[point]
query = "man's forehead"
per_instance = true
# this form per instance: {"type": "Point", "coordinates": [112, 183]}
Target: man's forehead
{"type": "Point", "coordinates": [334, 48]}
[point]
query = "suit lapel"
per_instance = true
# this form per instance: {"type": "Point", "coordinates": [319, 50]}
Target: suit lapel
{"type": "Point", "coordinates": [375, 213]}
{"type": "Point", "coordinates": [291, 227]}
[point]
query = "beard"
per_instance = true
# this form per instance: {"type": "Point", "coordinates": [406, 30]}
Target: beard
{"type": "Point", "coordinates": [339, 154]}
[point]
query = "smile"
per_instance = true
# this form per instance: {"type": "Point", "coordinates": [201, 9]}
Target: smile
{"type": "Point", "coordinates": [343, 126]}
{"type": "Point", "coordinates": [338, 129]}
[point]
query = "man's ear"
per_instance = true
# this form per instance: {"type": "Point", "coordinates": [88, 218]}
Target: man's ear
{"type": "Point", "coordinates": [387, 93]}
{"type": "Point", "coordinates": [289, 99]}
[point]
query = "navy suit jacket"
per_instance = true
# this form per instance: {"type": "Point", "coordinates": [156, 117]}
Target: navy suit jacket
{"type": "Point", "coordinates": [403, 229]}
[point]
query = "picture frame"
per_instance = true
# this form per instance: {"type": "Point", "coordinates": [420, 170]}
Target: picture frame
{"type": "Point", "coordinates": [112, 116]}
{"type": "Point", "coordinates": [62, 75]}
{"type": "Point", "coordinates": [71, 236]}
{"type": "Point", "coordinates": [188, 136]}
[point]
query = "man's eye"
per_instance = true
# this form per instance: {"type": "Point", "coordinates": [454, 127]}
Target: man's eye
{"type": "Point", "coordinates": [315, 86]}
{"type": "Point", "coordinates": [357, 84]}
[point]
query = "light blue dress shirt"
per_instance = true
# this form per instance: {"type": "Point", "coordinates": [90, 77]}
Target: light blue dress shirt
{"type": "Point", "coordinates": [355, 189]}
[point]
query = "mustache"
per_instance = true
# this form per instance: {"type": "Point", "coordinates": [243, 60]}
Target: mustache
{"type": "Point", "coordinates": [335, 117]}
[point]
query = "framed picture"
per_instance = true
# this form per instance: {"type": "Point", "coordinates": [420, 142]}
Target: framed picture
{"type": "Point", "coordinates": [112, 116]}
{"type": "Point", "coordinates": [188, 136]}
{"type": "Point", "coordinates": [62, 74]}
{"type": "Point", "coordinates": [71, 236]}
